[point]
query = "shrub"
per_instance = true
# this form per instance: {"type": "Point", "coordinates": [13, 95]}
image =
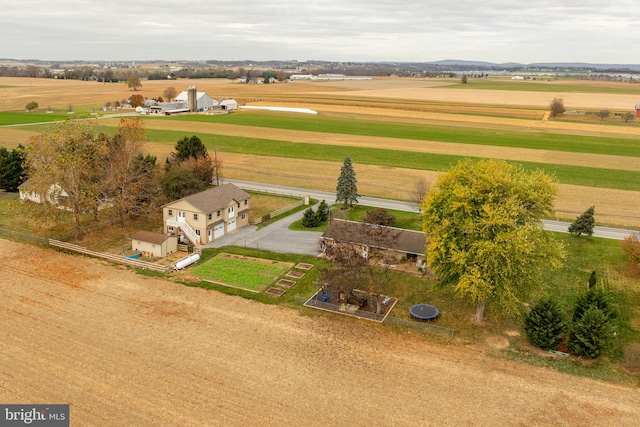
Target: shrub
{"type": "Point", "coordinates": [31, 106]}
{"type": "Point", "coordinates": [590, 334]}
{"type": "Point", "coordinates": [545, 324]}
{"type": "Point", "coordinates": [631, 245]}
{"type": "Point", "coordinates": [596, 298]}
{"type": "Point", "coordinates": [631, 357]}
{"type": "Point", "coordinates": [310, 219]}
{"type": "Point", "coordinates": [380, 217]}
{"type": "Point", "coordinates": [323, 211]}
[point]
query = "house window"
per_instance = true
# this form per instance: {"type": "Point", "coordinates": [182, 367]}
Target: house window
{"type": "Point", "coordinates": [238, 205]}
{"type": "Point", "coordinates": [218, 213]}
{"type": "Point", "coordinates": [170, 228]}
{"type": "Point", "coordinates": [198, 232]}
{"type": "Point", "coordinates": [210, 216]}
{"type": "Point", "coordinates": [170, 212]}
{"type": "Point", "coordinates": [246, 202]}
{"type": "Point", "coordinates": [195, 216]}
{"type": "Point", "coordinates": [244, 216]}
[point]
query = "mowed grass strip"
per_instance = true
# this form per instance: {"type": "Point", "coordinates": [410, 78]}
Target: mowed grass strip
{"type": "Point", "coordinates": [575, 175]}
{"type": "Point", "coordinates": [241, 272]}
{"type": "Point", "coordinates": [532, 139]}
{"type": "Point", "coordinates": [9, 118]}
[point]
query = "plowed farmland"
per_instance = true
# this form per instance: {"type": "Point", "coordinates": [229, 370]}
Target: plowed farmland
{"type": "Point", "coordinates": [128, 350]}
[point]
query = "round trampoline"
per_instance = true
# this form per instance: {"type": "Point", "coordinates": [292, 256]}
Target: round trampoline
{"type": "Point", "coordinates": [423, 312]}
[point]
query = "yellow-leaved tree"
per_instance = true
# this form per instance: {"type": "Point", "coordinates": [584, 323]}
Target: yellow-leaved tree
{"type": "Point", "coordinates": [485, 235]}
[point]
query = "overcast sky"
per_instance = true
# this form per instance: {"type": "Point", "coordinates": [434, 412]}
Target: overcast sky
{"type": "Point", "coordinates": [332, 30]}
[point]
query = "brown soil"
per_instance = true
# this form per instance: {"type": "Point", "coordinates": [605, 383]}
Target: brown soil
{"type": "Point", "coordinates": [129, 350]}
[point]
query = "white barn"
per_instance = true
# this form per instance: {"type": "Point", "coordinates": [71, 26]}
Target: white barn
{"type": "Point", "coordinates": [203, 99]}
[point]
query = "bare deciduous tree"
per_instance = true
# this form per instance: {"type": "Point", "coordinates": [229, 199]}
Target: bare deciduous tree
{"type": "Point", "coordinates": [556, 107]}
{"type": "Point", "coordinates": [418, 194]}
{"type": "Point", "coordinates": [170, 93]}
{"type": "Point", "coordinates": [628, 116]}
{"type": "Point", "coordinates": [603, 114]}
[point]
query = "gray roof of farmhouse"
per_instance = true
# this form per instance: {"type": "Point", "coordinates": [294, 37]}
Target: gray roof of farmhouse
{"type": "Point", "coordinates": [216, 198]}
{"type": "Point", "coordinates": [396, 239]}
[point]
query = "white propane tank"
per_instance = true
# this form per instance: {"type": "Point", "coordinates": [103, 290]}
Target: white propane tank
{"type": "Point", "coordinates": [187, 261]}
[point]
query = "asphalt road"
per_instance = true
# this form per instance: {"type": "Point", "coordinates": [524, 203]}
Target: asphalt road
{"type": "Point", "coordinates": [558, 226]}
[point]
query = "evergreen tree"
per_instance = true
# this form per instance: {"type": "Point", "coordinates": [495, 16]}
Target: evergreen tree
{"type": "Point", "coordinates": [595, 298]}
{"type": "Point", "coordinates": [12, 168]}
{"type": "Point", "coordinates": [545, 324]}
{"type": "Point", "coordinates": [347, 189]}
{"type": "Point", "coordinates": [584, 223]}
{"type": "Point", "coordinates": [190, 148]}
{"type": "Point", "coordinates": [323, 211]}
{"type": "Point", "coordinates": [310, 219]}
{"type": "Point", "coordinates": [590, 334]}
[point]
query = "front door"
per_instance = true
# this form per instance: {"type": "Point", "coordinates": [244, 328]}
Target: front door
{"type": "Point", "coordinates": [209, 235]}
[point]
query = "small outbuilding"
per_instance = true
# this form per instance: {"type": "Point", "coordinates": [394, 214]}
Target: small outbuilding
{"type": "Point", "coordinates": [157, 245]}
{"type": "Point", "coordinates": [637, 110]}
{"type": "Point", "coordinates": [229, 104]}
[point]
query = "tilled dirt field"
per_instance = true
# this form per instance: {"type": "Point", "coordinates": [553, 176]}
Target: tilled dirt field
{"type": "Point", "coordinates": [128, 350]}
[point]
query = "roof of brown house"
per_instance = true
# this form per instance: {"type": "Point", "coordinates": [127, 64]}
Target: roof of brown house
{"type": "Point", "coordinates": [216, 198]}
{"type": "Point", "coordinates": [150, 237]}
{"type": "Point", "coordinates": [397, 239]}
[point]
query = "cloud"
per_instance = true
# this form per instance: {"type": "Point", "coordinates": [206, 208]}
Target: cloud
{"type": "Point", "coordinates": [404, 30]}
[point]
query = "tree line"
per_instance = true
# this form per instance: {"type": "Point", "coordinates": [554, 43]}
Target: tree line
{"type": "Point", "coordinates": [88, 172]}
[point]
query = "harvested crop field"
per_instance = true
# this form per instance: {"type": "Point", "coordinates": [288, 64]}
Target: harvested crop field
{"type": "Point", "coordinates": [387, 100]}
{"type": "Point", "coordinates": [129, 350]}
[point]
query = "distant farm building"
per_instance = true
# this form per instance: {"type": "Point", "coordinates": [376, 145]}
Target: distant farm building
{"type": "Point", "coordinates": [637, 110]}
{"type": "Point", "coordinates": [202, 100]}
{"type": "Point", "coordinates": [229, 104]}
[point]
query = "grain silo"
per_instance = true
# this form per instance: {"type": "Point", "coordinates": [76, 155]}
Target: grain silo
{"type": "Point", "coordinates": [192, 98]}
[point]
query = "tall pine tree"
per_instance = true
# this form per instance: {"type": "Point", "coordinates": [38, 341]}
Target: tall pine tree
{"type": "Point", "coordinates": [347, 189]}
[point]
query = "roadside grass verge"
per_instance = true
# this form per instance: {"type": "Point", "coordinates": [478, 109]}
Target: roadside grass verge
{"type": "Point", "coordinates": [404, 220]}
{"type": "Point", "coordinates": [263, 204]}
{"type": "Point", "coordinates": [565, 174]}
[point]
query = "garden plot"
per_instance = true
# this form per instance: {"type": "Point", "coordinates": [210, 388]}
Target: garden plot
{"type": "Point", "coordinates": [243, 272]}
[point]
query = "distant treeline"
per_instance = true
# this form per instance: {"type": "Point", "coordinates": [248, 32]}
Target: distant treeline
{"type": "Point", "coordinates": [121, 72]}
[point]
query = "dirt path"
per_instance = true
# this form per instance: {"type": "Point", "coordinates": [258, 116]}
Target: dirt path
{"type": "Point", "coordinates": [128, 350]}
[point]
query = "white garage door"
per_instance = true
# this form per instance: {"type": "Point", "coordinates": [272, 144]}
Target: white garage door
{"type": "Point", "coordinates": [231, 225]}
{"type": "Point", "coordinates": [218, 231]}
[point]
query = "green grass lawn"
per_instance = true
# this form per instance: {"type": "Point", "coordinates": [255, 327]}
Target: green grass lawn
{"type": "Point", "coordinates": [241, 271]}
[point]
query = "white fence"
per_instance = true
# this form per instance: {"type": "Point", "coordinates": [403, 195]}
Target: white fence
{"type": "Point", "coordinates": [115, 258]}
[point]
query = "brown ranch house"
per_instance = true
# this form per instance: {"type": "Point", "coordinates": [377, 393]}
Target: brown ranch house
{"type": "Point", "coordinates": [208, 215]}
{"type": "Point", "coordinates": [370, 239]}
